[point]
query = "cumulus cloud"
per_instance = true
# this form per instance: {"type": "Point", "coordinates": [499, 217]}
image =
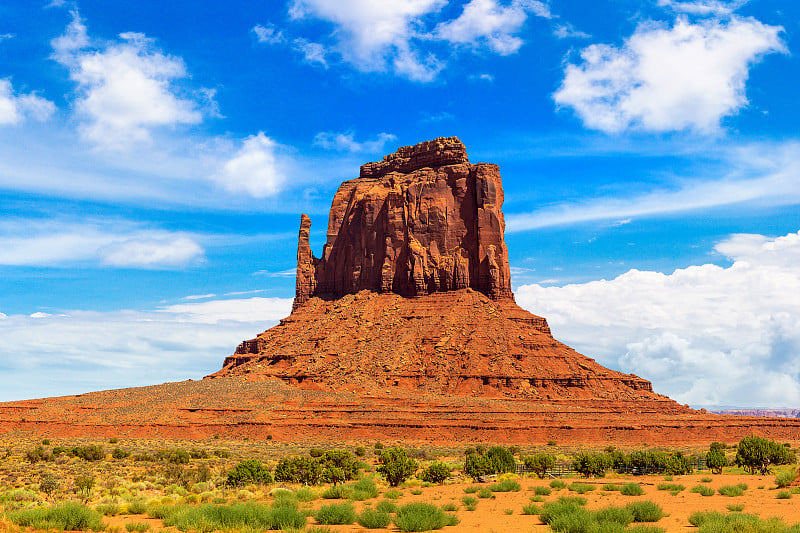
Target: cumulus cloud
{"type": "Point", "coordinates": [685, 77]}
{"type": "Point", "coordinates": [489, 23]}
{"type": "Point", "coordinates": [704, 335]}
{"type": "Point", "coordinates": [15, 108]}
{"type": "Point", "coordinates": [313, 53]}
{"type": "Point", "coordinates": [77, 350]}
{"type": "Point", "coordinates": [267, 34]}
{"type": "Point", "coordinates": [253, 169]}
{"type": "Point", "coordinates": [345, 141]}
{"type": "Point", "coordinates": [121, 244]}
{"type": "Point", "coordinates": [125, 89]}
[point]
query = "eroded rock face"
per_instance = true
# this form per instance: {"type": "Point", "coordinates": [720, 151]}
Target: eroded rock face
{"type": "Point", "coordinates": [423, 220]}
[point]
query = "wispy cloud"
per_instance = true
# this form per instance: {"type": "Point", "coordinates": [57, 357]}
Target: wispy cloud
{"type": "Point", "coordinates": [345, 141]}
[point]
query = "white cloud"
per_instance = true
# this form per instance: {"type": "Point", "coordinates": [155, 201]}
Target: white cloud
{"type": "Point", "coordinates": [312, 52]}
{"type": "Point", "coordinates": [763, 174]}
{"type": "Point", "coordinates": [253, 169]}
{"type": "Point", "coordinates": [14, 108]}
{"type": "Point", "coordinates": [345, 141]}
{"type": "Point", "coordinates": [568, 31]}
{"type": "Point", "coordinates": [705, 335]}
{"type": "Point", "coordinates": [116, 244]}
{"type": "Point", "coordinates": [487, 22]}
{"type": "Point", "coordinates": [703, 7]}
{"type": "Point", "coordinates": [78, 351]}
{"type": "Point", "coordinates": [688, 76]}
{"type": "Point", "coordinates": [268, 34]}
{"type": "Point", "coordinates": [125, 89]}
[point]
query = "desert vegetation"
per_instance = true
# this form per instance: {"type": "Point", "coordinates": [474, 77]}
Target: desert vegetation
{"type": "Point", "coordinates": [216, 485]}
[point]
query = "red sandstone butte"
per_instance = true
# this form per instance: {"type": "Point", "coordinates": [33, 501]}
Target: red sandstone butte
{"type": "Point", "coordinates": [404, 329]}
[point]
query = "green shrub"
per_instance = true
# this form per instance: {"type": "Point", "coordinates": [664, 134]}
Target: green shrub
{"type": "Point", "coordinates": [631, 489]}
{"type": "Point", "coordinates": [48, 484]}
{"type": "Point", "coordinates": [645, 511]}
{"type": "Point", "coordinates": [360, 451]}
{"type": "Point", "coordinates": [66, 517]}
{"type": "Point", "coordinates": [119, 453]}
{"type": "Point", "coordinates": [107, 509]}
{"type": "Point", "coordinates": [563, 506]}
{"type": "Point", "coordinates": [611, 487]}
{"type": "Point", "coordinates": [137, 507]}
{"type": "Point", "coordinates": [364, 489]}
{"type": "Point", "coordinates": [619, 515]}
{"type": "Point", "coordinates": [209, 517]}
{"type": "Point", "coordinates": [785, 478]}
{"type": "Point", "coordinates": [472, 489]}
{"type": "Point", "coordinates": [716, 460]}
{"type": "Point", "coordinates": [422, 517]}
{"type": "Point", "coordinates": [496, 460]}
{"type": "Point", "coordinates": [641, 528]}
{"type": "Point", "coordinates": [137, 527]}
{"type": "Point", "coordinates": [706, 480]}
{"type": "Point", "coordinates": [416, 492]}
{"type": "Point", "coordinates": [306, 494]}
{"type": "Point", "coordinates": [542, 491]}
{"type": "Point", "coordinates": [507, 485]}
{"type": "Point", "coordinates": [338, 466]}
{"type": "Point", "coordinates": [703, 490]}
{"type": "Point", "coordinates": [592, 464]}
{"type": "Point", "coordinates": [437, 472]}
{"type": "Point", "coordinates": [337, 492]}
{"type": "Point", "coordinates": [531, 509]}
{"type": "Point", "coordinates": [396, 466]}
{"type": "Point", "coordinates": [38, 454]}
{"type": "Point", "coordinates": [177, 456]}
{"type": "Point", "coordinates": [315, 452]}
{"type": "Point", "coordinates": [392, 494]}
{"type": "Point", "coordinates": [732, 490]}
{"type": "Point", "coordinates": [672, 487]}
{"type": "Point", "coordinates": [577, 519]}
{"type": "Point", "coordinates": [735, 507]}
{"type": "Point", "coordinates": [469, 500]}
{"type": "Point", "coordinates": [373, 519]}
{"type": "Point", "coordinates": [713, 522]}
{"type": "Point", "coordinates": [386, 506]}
{"type": "Point", "coordinates": [698, 518]}
{"type": "Point", "coordinates": [335, 513]}
{"type": "Point", "coordinates": [485, 493]}
{"type": "Point", "coordinates": [249, 472]}
{"type": "Point", "coordinates": [540, 463]}
{"type": "Point", "coordinates": [298, 469]}
{"type": "Point", "coordinates": [784, 495]}
{"type": "Point", "coordinates": [581, 488]}
{"type": "Point", "coordinates": [557, 484]}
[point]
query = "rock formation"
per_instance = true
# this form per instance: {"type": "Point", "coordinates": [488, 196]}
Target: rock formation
{"type": "Point", "coordinates": [413, 290]}
{"type": "Point", "coordinates": [423, 220]}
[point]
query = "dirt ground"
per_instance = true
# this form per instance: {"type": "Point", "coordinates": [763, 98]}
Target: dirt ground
{"type": "Point", "coordinates": [503, 513]}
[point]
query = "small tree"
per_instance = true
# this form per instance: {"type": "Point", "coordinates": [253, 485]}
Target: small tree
{"type": "Point", "coordinates": [757, 454]}
{"type": "Point", "coordinates": [435, 473]}
{"type": "Point", "coordinates": [396, 466]}
{"type": "Point", "coordinates": [247, 473]}
{"type": "Point", "coordinates": [338, 466]}
{"type": "Point", "coordinates": [540, 463]}
{"type": "Point", "coordinates": [298, 469]}
{"type": "Point", "coordinates": [48, 484]}
{"type": "Point", "coordinates": [476, 466]}
{"type": "Point", "coordinates": [716, 460]}
{"type": "Point", "coordinates": [85, 483]}
{"type": "Point", "coordinates": [591, 464]}
{"type": "Point", "coordinates": [500, 460]}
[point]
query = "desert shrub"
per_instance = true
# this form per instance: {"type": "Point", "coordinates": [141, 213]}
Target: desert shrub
{"type": "Point", "coordinates": [785, 478]}
{"type": "Point", "coordinates": [575, 519]}
{"type": "Point", "coordinates": [485, 493]}
{"type": "Point", "coordinates": [557, 484]}
{"type": "Point", "coordinates": [373, 519]}
{"type": "Point", "coordinates": [581, 488]}
{"type": "Point", "coordinates": [396, 466]}
{"type": "Point", "coordinates": [48, 484]}
{"type": "Point", "coordinates": [531, 509]}
{"type": "Point", "coordinates": [91, 452]}
{"type": "Point", "coordinates": [436, 472]}
{"type": "Point", "coordinates": [198, 453]}
{"type": "Point", "coordinates": [540, 463]}
{"type": "Point", "coordinates": [422, 517]}
{"type": "Point", "coordinates": [337, 466]}
{"type": "Point", "coordinates": [137, 527]}
{"type": "Point", "coordinates": [703, 490]}
{"type": "Point", "coordinates": [66, 517]}
{"type": "Point", "coordinates": [211, 517]}
{"type": "Point", "coordinates": [657, 461]}
{"type": "Point", "coordinates": [298, 469]}
{"type": "Point", "coordinates": [507, 485]}
{"type": "Point", "coordinates": [20, 495]}
{"type": "Point", "coordinates": [672, 487]}
{"type": "Point", "coordinates": [385, 506]}
{"type": "Point", "coordinates": [642, 528]}
{"type": "Point", "coordinates": [450, 507]}
{"type": "Point", "coordinates": [107, 509]}
{"type": "Point", "coordinates": [137, 507]}
{"type": "Point", "coordinates": [591, 464]}
{"type": "Point", "coordinates": [38, 454]}
{"type": "Point", "coordinates": [542, 491]}
{"type": "Point", "coordinates": [306, 494]}
{"type": "Point", "coordinates": [563, 506]}
{"type": "Point", "coordinates": [645, 511]}
{"type": "Point", "coordinates": [469, 500]}
{"type": "Point", "coordinates": [119, 453]}
{"type": "Point", "coordinates": [735, 507]}
{"type": "Point", "coordinates": [360, 451]}
{"type": "Point", "coordinates": [84, 484]}
{"type": "Point", "coordinates": [631, 489]}
{"type": "Point", "coordinates": [757, 454]}
{"type": "Point", "coordinates": [249, 472]}
{"type": "Point", "coordinates": [495, 460]}
{"type": "Point", "coordinates": [732, 490]}
{"type": "Point", "coordinates": [611, 487]}
{"type": "Point", "coordinates": [619, 515]}
{"type": "Point", "coordinates": [716, 460]}
{"type": "Point", "coordinates": [337, 492]}
{"type": "Point", "coordinates": [316, 452]}
{"type": "Point", "coordinates": [364, 489]}
{"type": "Point", "coordinates": [783, 495]}
{"type": "Point", "coordinates": [392, 494]}
{"type": "Point", "coordinates": [177, 456]}
{"type": "Point", "coordinates": [335, 513]}
{"type": "Point", "coordinates": [698, 518]}
{"type": "Point", "coordinates": [713, 522]}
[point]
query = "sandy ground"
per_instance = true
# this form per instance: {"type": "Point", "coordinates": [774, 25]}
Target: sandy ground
{"type": "Point", "coordinates": [492, 515]}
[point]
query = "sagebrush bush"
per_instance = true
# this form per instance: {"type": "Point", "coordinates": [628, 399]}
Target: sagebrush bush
{"type": "Point", "coordinates": [373, 519]}
{"type": "Point", "coordinates": [385, 506]}
{"type": "Point", "coordinates": [66, 517]}
{"type": "Point", "coordinates": [645, 511]}
{"type": "Point", "coordinates": [620, 515]}
{"type": "Point", "coordinates": [557, 484]}
{"type": "Point", "coordinates": [542, 491]}
{"type": "Point", "coordinates": [785, 478]}
{"type": "Point", "coordinates": [732, 490]}
{"type": "Point", "coordinates": [335, 514]}
{"type": "Point", "coordinates": [631, 489]}
{"type": "Point", "coordinates": [703, 490]}
{"type": "Point", "coordinates": [422, 517]}
{"type": "Point", "coordinates": [581, 488]}
{"type": "Point", "coordinates": [507, 485]}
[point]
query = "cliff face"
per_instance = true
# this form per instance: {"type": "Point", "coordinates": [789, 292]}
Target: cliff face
{"type": "Point", "coordinates": [423, 220]}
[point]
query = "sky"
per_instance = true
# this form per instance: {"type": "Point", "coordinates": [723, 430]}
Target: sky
{"type": "Point", "coordinates": [155, 158]}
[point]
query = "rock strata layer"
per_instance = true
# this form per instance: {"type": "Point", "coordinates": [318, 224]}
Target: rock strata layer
{"type": "Point", "coordinates": [423, 220]}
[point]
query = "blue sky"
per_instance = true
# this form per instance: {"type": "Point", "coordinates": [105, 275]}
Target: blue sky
{"type": "Point", "coordinates": [155, 158]}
